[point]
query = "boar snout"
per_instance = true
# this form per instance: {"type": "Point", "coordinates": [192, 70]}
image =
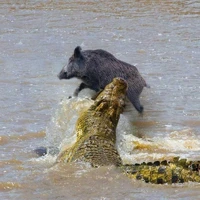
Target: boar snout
{"type": "Point", "coordinates": [62, 75]}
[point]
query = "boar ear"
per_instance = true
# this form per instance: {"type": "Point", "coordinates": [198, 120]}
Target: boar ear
{"type": "Point", "coordinates": [77, 52]}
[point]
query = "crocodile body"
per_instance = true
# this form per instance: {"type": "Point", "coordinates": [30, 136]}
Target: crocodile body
{"type": "Point", "coordinates": [96, 129]}
{"type": "Point", "coordinates": [96, 140]}
{"type": "Point", "coordinates": [175, 171]}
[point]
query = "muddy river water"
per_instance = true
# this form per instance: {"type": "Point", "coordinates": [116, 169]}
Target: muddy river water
{"type": "Point", "coordinates": [162, 38]}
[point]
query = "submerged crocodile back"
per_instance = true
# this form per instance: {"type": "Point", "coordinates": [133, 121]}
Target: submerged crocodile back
{"type": "Point", "coordinates": [177, 171]}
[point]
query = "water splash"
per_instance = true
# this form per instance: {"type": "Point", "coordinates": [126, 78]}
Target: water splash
{"type": "Point", "coordinates": [61, 129]}
{"type": "Point", "coordinates": [61, 133]}
{"type": "Point", "coordinates": [184, 143]}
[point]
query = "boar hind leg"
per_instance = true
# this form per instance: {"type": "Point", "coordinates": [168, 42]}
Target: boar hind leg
{"type": "Point", "coordinates": [137, 105]}
{"type": "Point", "coordinates": [134, 99]}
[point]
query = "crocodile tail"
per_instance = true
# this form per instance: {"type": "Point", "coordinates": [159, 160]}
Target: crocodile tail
{"type": "Point", "coordinates": [176, 171]}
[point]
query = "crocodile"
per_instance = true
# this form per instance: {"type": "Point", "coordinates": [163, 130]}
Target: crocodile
{"type": "Point", "coordinates": [96, 142]}
{"type": "Point", "coordinates": [96, 128]}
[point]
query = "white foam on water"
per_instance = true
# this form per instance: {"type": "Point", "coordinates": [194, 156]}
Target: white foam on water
{"type": "Point", "coordinates": [47, 160]}
{"type": "Point", "coordinates": [61, 133]}
{"type": "Point", "coordinates": [184, 143]}
{"type": "Point", "coordinates": [61, 129]}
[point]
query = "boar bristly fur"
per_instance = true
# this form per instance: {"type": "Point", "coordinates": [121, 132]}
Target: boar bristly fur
{"type": "Point", "coordinates": [97, 68]}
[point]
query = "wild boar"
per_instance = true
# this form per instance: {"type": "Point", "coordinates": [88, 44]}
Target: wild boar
{"type": "Point", "coordinates": [97, 68]}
